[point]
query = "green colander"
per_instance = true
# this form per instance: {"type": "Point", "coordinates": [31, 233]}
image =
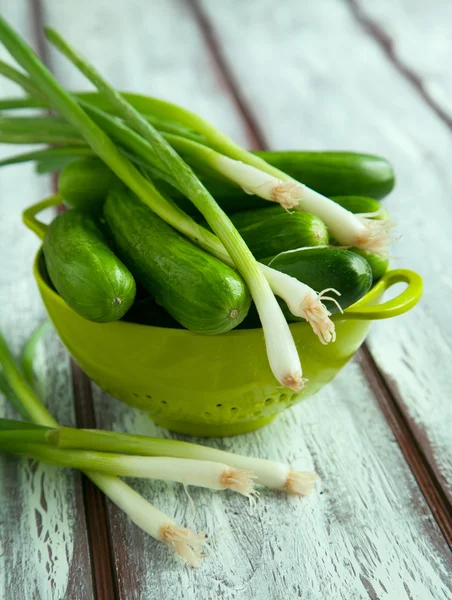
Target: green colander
{"type": "Point", "coordinates": [211, 385]}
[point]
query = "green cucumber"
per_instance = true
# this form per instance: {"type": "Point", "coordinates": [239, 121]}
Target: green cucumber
{"type": "Point", "coordinates": [84, 270]}
{"type": "Point", "coordinates": [199, 291]}
{"type": "Point", "coordinates": [85, 182]}
{"type": "Point", "coordinates": [378, 264]}
{"type": "Point", "coordinates": [334, 173]}
{"type": "Point", "coordinates": [146, 311]}
{"type": "Point", "coordinates": [362, 204]}
{"type": "Point", "coordinates": [321, 268]}
{"type": "Point", "coordinates": [272, 230]}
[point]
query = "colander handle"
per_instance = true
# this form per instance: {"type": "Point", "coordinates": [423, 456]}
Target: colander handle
{"type": "Point", "coordinates": [29, 215]}
{"type": "Point", "coordinates": [365, 309]}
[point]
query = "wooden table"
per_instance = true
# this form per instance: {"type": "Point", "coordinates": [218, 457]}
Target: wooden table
{"type": "Point", "coordinates": [359, 75]}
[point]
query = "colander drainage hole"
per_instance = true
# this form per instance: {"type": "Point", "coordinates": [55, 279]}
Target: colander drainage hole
{"type": "Point", "coordinates": [164, 402]}
{"type": "Point", "coordinates": [283, 397]}
{"type": "Point", "coordinates": [149, 396]}
{"type": "Point", "coordinates": [219, 406]}
{"type": "Point", "coordinates": [207, 414]}
{"type": "Point", "coordinates": [233, 408]}
{"type": "Point", "coordinates": [269, 400]}
{"type": "Point", "coordinates": [135, 394]}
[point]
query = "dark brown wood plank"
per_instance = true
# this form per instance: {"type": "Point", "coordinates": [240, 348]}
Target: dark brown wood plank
{"type": "Point", "coordinates": [94, 501]}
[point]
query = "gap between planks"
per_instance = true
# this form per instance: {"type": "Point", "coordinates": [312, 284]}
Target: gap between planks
{"type": "Point", "coordinates": [384, 40]}
{"type": "Point", "coordinates": [383, 391]}
{"type": "Point", "coordinates": [96, 516]}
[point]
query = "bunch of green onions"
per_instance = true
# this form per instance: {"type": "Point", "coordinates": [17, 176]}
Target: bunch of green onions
{"type": "Point", "coordinates": [143, 138]}
{"type": "Point", "coordinates": [104, 456]}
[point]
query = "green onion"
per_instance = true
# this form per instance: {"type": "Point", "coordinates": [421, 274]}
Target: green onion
{"type": "Point", "coordinates": [48, 153]}
{"type": "Point", "coordinates": [19, 78]}
{"type": "Point", "coordinates": [269, 473]}
{"type": "Point", "coordinates": [29, 350]}
{"type": "Point", "coordinates": [201, 473]}
{"type": "Point", "coordinates": [25, 395]}
{"type": "Point", "coordinates": [186, 543]}
{"type": "Point", "coordinates": [42, 130]}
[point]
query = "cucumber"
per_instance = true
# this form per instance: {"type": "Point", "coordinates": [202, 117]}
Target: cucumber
{"type": "Point", "coordinates": [199, 291]}
{"type": "Point", "coordinates": [336, 173]}
{"type": "Point", "coordinates": [146, 311]}
{"type": "Point", "coordinates": [272, 230]}
{"type": "Point", "coordinates": [85, 182]}
{"type": "Point", "coordinates": [378, 264]}
{"type": "Point", "coordinates": [321, 268]}
{"type": "Point", "coordinates": [84, 270]}
{"type": "Point", "coordinates": [361, 204]}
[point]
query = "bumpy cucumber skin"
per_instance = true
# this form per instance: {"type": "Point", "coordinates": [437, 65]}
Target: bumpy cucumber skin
{"type": "Point", "coordinates": [84, 184]}
{"type": "Point", "coordinates": [321, 268]}
{"type": "Point", "coordinates": [269, 231]}
{"type": "Point", "coordinates": [85, 271]}
{"type": "Point", "coordinates": [199, 291]}
{"type": "Point", "coordinates": [336, 173]}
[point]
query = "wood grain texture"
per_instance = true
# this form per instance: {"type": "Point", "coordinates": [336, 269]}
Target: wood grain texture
{"type": "Point", "coordinates": [367, 531]}
{"type": "Point", "coordinates": [333, 96]}
{"type": "Point", "coordinates": [43, 543]}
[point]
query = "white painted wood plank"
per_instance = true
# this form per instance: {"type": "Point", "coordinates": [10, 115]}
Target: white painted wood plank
{"type": "Point", "coordinates": [318, 81]}
{"type": "Point", "coordinates": [41, 510]}
{"type": "Point", "coordinates": [367, 531]}
{"type": "Point", "coordinates": [420, 35]}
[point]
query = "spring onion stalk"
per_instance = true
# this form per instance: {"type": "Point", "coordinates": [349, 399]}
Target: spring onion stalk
{"type": "Point", "coordinates": [46, 130]}
{"type": "Point", "coordinates": [281, 350]}
{"type": "Point", "coordinates": [303, 302]}
{"type": "Point", "coordinates": [269, 473]}
{"type": "Point", "coordinates": [185, 542]}
{"type": "Point", "coordinates": [31, 406]}
{"type": "Point", "coordinates": [20, 103]}
{"type": "Point", "coordinates": [29, 350]}
{"type": "Point", "coordinates": [96, 100]}
{"type": "Point", "coordinates": [48, 153]}
{"type": "Point", "coordinates": [251, 179]}
{"type": "Point", "coordinates": [20, 78]}
{"type": "Point", "coordinates": [207, 474]}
